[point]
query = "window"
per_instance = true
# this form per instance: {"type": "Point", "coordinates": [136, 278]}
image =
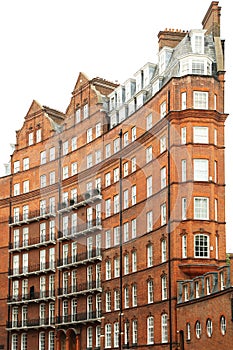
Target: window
{"type": "Point", "coordinates": [184, 246]}
{"type": "Point", "coordinates": [25, 163]}
{"type": "Point", "coordinates": [163, 177]}
{"type": "Point", "coordinates": [183, 100]}
{"type": "Point", "coordinates": [30, 139]}
{"type": "Point", "coordinates": [107, 179]}
{"type": "Point", "coordinates": [183, 135]}
{"type": "Point", "coordinates": [77, 115]}
{"type": "Point", "coordinates": [116, 299]}
{"type": "Point", "coordinates": [207, 286]}
{"type": "Point", "coordinates": [116, 267]}
{"type": "Point", "coordinates": [215, 171]}
{"type": "Point", "coordinates": [215, 137]}
{"type": "Point", "coordinates": [150, 291]}
{"type": "Point", "coordinates": [150, 330]}
{"type": "Point", "coordinates": [149, 186]}
{"type": "Point", "coordinates": [149, 221]}
{"type": "Point", "coordinates": [133, 133]}
{"type": "Point", "coordinates": [43, 232]}
{"type": "Point", "coordinates": [116, 204]}
{"type": "Point", "coordinates": [133, 164]}
{"type": "Point", "coordinates": [149, 154]}
{"type": "Point", "coordinates": [149, 255]}
{"type": "Point", "coordinates": [97, 129]}
{"type": "Point", "coordinates": [134, 228]}
{"type": "Point", "coordinates": [198, 329]}
{"type": "Point", "coordinates": [108, 335]}
{"type": "Point", "coordinates": [200, 99]}
{"type": "Point", "coordinates": [163, 250]}
{"type": "Point", "coordinates": [43, 181]}
{"type": "Point", "coordinates": [126, 296]}
{"type": "Point", "coordinates": [97, 336]}
{"type": "Point", "coordinates": [188, 331]}
{"type": "Point", "coordinates": [65, 172]}
{"type": "Point", "coordinates": [108, 239]}
{"type": "Point", "coordinates": [24, 341]}
{"type": "Point", "coordinates": [89, 161]}
{"type": "Point", "coordinates": [98, 156]}
{"type": "Point", "coordinates": [164, 287]}
{"type": "Point", "coordinates": [74, 168]}
{"type": "Point", "coordinates": [116, 145]}
{"type": "Point", "coordinates": [200, 134]}
{"type": "Point", "coordinates": [16, 189]}
{"type": "Point", "coordinates": [183, 170]}
{"type": "Point", "coordinates": [197, 41]}
{"type": "Point", "coordinates": [116, 174]}
{"type": "Point", "coordinates": [163, 214]}
{"type": "Point", "coordinates": [74, 143]}
{"type": "Point", "coordinates": [65, 148]}
{"type": "Point", "coordinates": [149, 122]}
{"type": "Point", "coordinates": [201, 208]}
{"type": "Point", "coordinates": [43, 157]}
{"type": "Point", "coordinates": [116, 234]}
{"type": "Point", "coordinates": [134, 261]}
{"type": "Point", "coordinates": [209, 328]}
{"type": "Point", "coordinates": [163, 144]}
{"type": "Point", "coordinates": [26, 186]}
{"type": "Point", "coordinates": [52, 153]}
{"type": "Point", "coordinates": [126, 231]}
{"type": "Point", "coordinates": [201, 246]}
{"type": "Point", "coordinates": [108, 301]}
{"type": "Point", "coordinates": [14, 342]}
{"type": "Point", "coordinates": [184, 208]}
{"type": "Point", "coordinates": [186, 294]}
{"type": "Point", "coordinates": [51, 340]}
{"type": "Point", "coordinates": [25, 212]}
{"type": "Point", "coordinates": [116, 334]}
{"type": "Point", "coordinates": [108, 269]}
{"type": "Point", "coordinates": [89, 135]}
{"type": "Point", "coordinates": [134, 199]}
{"type": "Point", "coordinates": [15, 289]}
{"type": "Point", "coordinates": [16, 166]}
{"type": "Point", "coordinates": [15, 314]}
{"type": "Point", "coordinates": [107, 150]}
{"type": "Point", "coordinates": [163, 107]}
{"type": "Point", "coordinates": [201, 167]}
{"type": "Point", "coordinates": [134, 332]}
{"type": "Point", "coordinates": [223, 325]}
{"type": "Point", "coordinates": [215, 209]}
{"type": "Point", "coordinates": [85, 111]}
{"type": "Point", "coordinates": [134, 295]}
{"type": "Point", "coordinates": [164, 328]}
{"type": "Point", "coordinates": [125, 169]}
{"type": "Point", "coordinates": [126, 264]}
{"type": "Point", "coordinates": [41, 341]}
{"type": "Point", "coordinates": [125, 139]}
{"type": "Point", "coordinates": [89, 337]}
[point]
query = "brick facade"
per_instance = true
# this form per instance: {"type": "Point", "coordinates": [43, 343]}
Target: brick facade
{"type": "Point", "coordinates": [111, 203]}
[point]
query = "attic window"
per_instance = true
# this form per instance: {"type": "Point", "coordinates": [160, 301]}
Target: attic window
{"type": "Point", "coordinates": [38, 135]}
{"type": "Point", "coordinates": [198, 43]}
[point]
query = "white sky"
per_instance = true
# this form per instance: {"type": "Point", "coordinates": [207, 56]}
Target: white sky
{"type": "Point", "coordinates": [46, 43]}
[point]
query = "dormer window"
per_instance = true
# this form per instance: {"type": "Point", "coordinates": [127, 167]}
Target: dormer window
{"type": "Point", "coordinates": [198, 43]}
{"type": "Point", "coordinates": [164, 58]}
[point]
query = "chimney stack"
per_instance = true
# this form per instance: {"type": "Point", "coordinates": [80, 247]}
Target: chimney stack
{"type": "Point", "coordinates": [170, 37]}
{"type": "Point", "coordinates": [211, 21]}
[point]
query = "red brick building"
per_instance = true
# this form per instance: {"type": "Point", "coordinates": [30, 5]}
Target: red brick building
{"type": "Point", "coordinates": [111, 203]}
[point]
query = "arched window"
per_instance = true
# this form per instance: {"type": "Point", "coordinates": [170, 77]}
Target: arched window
{"type": "Point", "coordinates": [198, 329]}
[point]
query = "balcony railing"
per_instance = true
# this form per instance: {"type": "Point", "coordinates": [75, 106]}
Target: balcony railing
{"type": "Point", "coordinates": [79, 318]}
{"type": "Point", "coordinates": [82, 258]}
{"type": "Point", "coordinates": [32, 269]}
{"type": "Point", "coordinates": [30, 216]}
{"type": "Point", "coordinates": [81, 229]}
{"type": "Point", "coordinates": [82, 199]}
{"type": "Point", "coordinates": [80, 288]}
{"type": "Point", "coordinates": [39, 322]}
{"type": "Point", "coordinates": [32, 242]}
{"type": "Point", "coordinates": [33, 296]}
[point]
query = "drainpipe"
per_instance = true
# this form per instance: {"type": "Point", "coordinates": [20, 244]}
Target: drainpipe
{"type": "Point", "coordinates": [120, 223]}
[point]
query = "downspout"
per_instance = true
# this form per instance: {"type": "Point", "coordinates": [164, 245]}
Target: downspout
{"type": "Point", "coordinates": [120, 223]}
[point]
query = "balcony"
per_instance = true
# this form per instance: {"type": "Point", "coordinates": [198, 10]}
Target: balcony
{"type": "Point", "coordinates": [29, 243]}
{"type": "Point", "coordinates": [31, 297]}
{"type": "Point", "coordinates": [36, 215]}
{"type": "Point", "coordinates": [78, 259]}
{"type": "Point", "coordinates": [82, 229]}
{"type": "Point", "coordinates": [81, 288]}
{"type": "Point", "coordinates": [35, 323]}
{"type": "Point", "coordinates": [32, 269]}
{"type": "Point", "coordinates": [82, 200]}
{"type": "Point", "coordinates": [78, 318]}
